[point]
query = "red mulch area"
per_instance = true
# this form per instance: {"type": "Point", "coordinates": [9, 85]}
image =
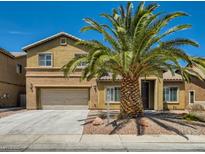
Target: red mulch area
{"type": "Point", "coordinates": [8, 113]}
{"type": "Point", "coordinates": [151, 123]}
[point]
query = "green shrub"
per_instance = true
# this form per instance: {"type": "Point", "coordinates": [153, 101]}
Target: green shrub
{"type": "Point", "coordinates": [191, 117]}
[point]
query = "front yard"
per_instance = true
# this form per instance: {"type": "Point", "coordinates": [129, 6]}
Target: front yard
{"type": "Point", "coordinates": [152, 123]}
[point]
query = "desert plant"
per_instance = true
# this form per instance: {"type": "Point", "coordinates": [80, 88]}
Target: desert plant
{"type": "Point", "coordinates": [190, 117]}
{"type": "Point", "coordinates": [134, 48]}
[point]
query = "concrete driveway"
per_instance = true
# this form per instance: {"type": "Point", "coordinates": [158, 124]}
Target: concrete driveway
{"type": "Point", "coordinates": [43, 122]}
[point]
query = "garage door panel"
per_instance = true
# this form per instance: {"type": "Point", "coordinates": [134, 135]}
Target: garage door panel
{"type": "Point", "coordinates": [64, 97]}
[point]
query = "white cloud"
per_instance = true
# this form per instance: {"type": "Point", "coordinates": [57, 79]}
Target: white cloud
{"type": "Point", "coordinates": [18, 33]}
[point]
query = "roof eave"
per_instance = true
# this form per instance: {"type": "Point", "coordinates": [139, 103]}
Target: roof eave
{"type": "Point", "coordinates": [20, 56]}
{"type": "Point", "coordinates": [172, 80]}
{"type": "Point", "coordinates": [50, 38]}
{"type": "Point", "coordinates": [5, 52]}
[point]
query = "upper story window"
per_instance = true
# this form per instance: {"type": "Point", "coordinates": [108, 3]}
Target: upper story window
{"type": "Point", "coordinates": [63, 41]}
{"type": "Point", "coordinates": [45, 59]}
{"type": "Point", "coordinates": [170, 94]}
{"type": "Point", "coordinates": [82, 64]}
{"type": "Point", "coordinates": [113, 94]}
{"type": "Point", "coordinates": [19, 68]}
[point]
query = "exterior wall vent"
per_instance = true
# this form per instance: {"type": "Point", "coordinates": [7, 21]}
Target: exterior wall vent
{"type": "Point", "coordinates": [63, 41]}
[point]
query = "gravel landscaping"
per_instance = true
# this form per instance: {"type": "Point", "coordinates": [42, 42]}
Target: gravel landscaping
{"type": "Point", "coordinates": [152, 123]}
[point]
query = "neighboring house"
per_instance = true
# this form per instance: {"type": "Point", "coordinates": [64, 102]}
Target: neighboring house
{"type": "Point", "coordinates": [12, 78]}
{"type": "Point", "coordinates": [178, 94]}
{"type": "Point", "coordinates": [47, 88]}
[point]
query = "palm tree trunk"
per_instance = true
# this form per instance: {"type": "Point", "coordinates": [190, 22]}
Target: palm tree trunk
{"type": "Point", "coordinates": [131, 101]}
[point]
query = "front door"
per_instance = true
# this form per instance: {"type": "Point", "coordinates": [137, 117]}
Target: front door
{"type": "Point", "coordinates": [145, 94]}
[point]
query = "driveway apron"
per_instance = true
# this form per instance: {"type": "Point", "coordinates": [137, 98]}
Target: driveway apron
{"type": "Point", "coordinates": [41, 122]}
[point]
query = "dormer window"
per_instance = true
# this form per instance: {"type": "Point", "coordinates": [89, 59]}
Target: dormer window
{"type": "Point", "coordinates": [63, 41]}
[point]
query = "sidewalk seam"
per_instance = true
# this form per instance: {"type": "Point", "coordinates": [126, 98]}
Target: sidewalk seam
{"type": "Point", "coordinates": [124, 147]}
{"type": "Point", "coordinates": [80, 138]}
{"type": "Point", "coordinates": [32, 143]}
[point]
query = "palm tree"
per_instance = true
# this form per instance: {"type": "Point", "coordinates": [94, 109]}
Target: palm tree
{"type": "Point", "coordinates": [134, 48]}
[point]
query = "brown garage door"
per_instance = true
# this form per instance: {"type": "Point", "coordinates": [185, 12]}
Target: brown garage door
{"type": "Point", "coordinates": [68, 98]}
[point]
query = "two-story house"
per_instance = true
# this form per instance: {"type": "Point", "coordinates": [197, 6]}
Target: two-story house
{"type": "Point", "coordinates": [47, 88]}
{"type": "Point", "coordinates": [12, 78]}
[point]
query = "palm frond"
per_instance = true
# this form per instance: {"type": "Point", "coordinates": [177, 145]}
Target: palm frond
{"type": "Point", "coordinates": [135, 45]}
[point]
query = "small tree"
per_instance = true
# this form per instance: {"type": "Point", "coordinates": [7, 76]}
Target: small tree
{"type": "Point", "coordinates": [135, 49]}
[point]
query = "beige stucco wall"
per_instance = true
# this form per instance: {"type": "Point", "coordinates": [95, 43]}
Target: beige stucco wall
{"type": "Point", "coordinates": [11, 83]}
{"type": "Point", "coordinates": [8, 69]}
{"type": "Point", "coordinates": [60, 54]}
{"type": "Point", "coordinates": [158, 93]}
{"type": "Point", "coordinates": [102, 95]}
{"type": "Point", "coordinates": [13, 92]}
{"type": "Point", "coordinates": [55, 79]}
{"type": "Point", "coordinates": [50, 77]}
{"type": "Point", "coordinates": [180, 105]}
{"type": "Point", "coordinates": [33, 85]}
{"type": "Point", "coordinates": [38, 77]}
{"type": "Point", "coordinates": [199, 87]}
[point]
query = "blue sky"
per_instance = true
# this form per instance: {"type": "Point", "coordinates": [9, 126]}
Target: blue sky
{"type": "Point", "coordinates": [22, 23]}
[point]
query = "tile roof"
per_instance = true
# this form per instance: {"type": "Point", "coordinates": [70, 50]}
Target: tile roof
{"type": "Point", "coordinates": [109, 77]}
{"type": "Point", "coordinates": [167, 76]}
{"type": "Point", "coordinates": [172, 77]}
{"type": "Point", "coordinates": [18, 54]}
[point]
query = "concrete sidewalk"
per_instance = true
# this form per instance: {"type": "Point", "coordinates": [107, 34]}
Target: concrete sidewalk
{"type": "Point", "coordinates": [101, 143]}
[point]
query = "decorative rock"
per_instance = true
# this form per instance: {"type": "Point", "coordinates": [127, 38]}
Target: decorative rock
{"type": "Point", "coordinates": [97, 121]}
{"type": "Point", "coordinates": [143, 123]}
